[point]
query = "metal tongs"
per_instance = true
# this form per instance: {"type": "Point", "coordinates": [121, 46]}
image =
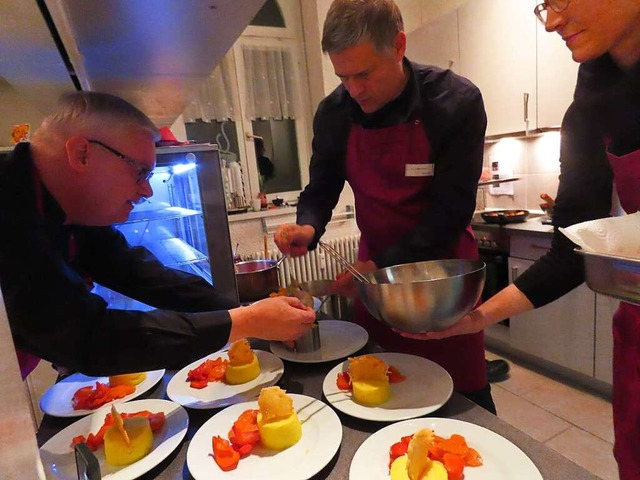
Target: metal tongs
{"type": "Point", "coordinates": [345, 263]}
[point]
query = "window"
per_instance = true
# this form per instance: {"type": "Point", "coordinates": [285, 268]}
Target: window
{"type": "Point", "coordinates": [256, 108]}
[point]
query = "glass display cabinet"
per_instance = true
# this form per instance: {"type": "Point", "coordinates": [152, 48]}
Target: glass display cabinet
{"type": "Point", "coordinates": [184, 224]}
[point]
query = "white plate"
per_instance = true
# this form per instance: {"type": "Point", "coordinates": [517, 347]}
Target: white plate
{"type": "Point", "coordinates": [338, 339]}
{"type": "Point", "coordinates": [56, 401]}
{"type": "Point", "coordinates": [502, 460]}
{"type": "Point", "coordinates": [220, 394]}
{"type": "Point", "coordinates": [427, 387]}
{"type": "Point", "coordinates": [59, 460]}
{"type": "Point", "coordinates": [321, 437]}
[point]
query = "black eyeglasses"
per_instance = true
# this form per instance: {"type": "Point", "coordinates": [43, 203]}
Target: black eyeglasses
{"type": "Point", "coordinates": [556, 5]}
{"type": "Point", "coordinates": [143, 173]}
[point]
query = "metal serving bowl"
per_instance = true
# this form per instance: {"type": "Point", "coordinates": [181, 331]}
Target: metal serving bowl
{"type": "Point", "coordinates": [421, 296]}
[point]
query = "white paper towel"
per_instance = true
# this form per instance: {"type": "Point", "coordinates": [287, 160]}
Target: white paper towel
{"type": "Point", "coordinates": [619, 236]}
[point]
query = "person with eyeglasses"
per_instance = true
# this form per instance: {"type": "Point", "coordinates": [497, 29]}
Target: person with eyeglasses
{"type": "Point", "coordinates": [87, 166]}
{"type": "Point", "coordinates": [409, 139]}
{"type": "Point", "coordinates": [599, 177]}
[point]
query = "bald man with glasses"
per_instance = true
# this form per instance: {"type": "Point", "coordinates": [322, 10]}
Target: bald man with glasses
{"type": "Point", "coordinates": [87, 166]}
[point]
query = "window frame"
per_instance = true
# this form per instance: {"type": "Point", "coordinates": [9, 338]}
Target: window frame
{"type": "Point", "coordinates": [291, 37]}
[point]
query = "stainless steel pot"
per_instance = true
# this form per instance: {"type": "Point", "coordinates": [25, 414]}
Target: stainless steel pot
{"type": "Point", "coordinates": [256, 279]}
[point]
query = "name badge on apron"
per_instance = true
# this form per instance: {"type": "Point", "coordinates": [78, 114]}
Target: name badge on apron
{"type": "Point", "coordinates": [418, 170]}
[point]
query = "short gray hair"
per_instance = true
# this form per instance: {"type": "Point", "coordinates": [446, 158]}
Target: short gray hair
{"type": "Point", "coordinates": [350, 22]}
{"type": "Point", "coordinates": [79, 112]}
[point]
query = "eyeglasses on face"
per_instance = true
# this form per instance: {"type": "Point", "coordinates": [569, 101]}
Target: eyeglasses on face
{"type": "Point", "coordinates": [556, 5]}
{"type": "Point", "coordinates": [143, 173]}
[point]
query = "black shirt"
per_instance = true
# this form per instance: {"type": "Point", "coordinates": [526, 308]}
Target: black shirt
{"type": "Point", "coordinates": [452, 112]}
{"type": "Point", "coordinates": [53, 315]}
{"type": "Point", "coordinates": [606, 105]}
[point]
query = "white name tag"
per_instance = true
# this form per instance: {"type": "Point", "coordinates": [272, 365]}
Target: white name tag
{"type": "Point", "coordinates": [418, 170]}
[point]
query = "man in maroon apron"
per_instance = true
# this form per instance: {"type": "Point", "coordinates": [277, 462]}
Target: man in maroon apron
{"type": "Point", "coordinates": [409, 140]}
{"type": "Point", "coordinates": [600, 149]}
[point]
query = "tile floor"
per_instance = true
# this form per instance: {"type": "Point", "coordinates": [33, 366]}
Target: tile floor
{"type": "Point", "coordinates": [574, 423]}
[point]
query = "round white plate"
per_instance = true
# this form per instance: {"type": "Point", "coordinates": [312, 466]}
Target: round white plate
{"type": "Point", "coordinates": [220, 394]}
{"type": "Point", "coordinates": [427, 387]}
{"type": "Point", "coordinates": [338, 339]}
{"type": "Point", "coordinates": [58, 456]}
{"type": "Point", "coordinates": [321, 437]}
{"type": "Point", "coordinates": [502, 460]}
{"type": "Point", "coordinates": [56, 401]}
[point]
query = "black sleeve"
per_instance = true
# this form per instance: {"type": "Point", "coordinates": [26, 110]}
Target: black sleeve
{"type": "Point", "coordinates": [455, 122]}
{"type": "Point", "coordinates": [584, 193]}
{"type": "Point", "coordinates": [327, 170]}
{"type": "Point", "coordinates": [54, 316]}
{"type": "Point", "coordinates": [137, 273]}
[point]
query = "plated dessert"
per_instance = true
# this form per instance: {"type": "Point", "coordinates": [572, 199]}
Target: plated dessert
{"type": "Point", "coordinates": [421, 386]}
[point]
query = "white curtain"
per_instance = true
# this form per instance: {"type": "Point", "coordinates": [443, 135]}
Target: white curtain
{"type": "Point", "coordinates": [214, 99]}
{"type": "Point", "coordinates": [269, 74]}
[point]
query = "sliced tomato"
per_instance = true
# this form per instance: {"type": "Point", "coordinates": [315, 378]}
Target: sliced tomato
{"type": "Point", "coordinates": [343, 381]}
{"type": "Point", "coordinates": [454, 465]}
{"type": "Point", "coordinates": [473, 458]}
{"type": "Point", "coordinates": [224, 454]}
{"type": "Point", "coordinates": [398, 449]}
{"type": "Point", "coordinates": [244, 450]}
{"type": "Point", "coordinates": [199, 384]}
{"type": "Point", "coordinates": [394, 375]}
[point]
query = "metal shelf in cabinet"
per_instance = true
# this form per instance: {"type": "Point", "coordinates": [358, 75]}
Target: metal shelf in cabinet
{"type": "Point", "coordinates": [167, 213]}
{"type": "Point", "coordinates": [175, 252]}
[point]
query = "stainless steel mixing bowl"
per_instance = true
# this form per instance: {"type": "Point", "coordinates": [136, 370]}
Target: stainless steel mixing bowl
{"type": "Point", "coordinates": [421, 296]}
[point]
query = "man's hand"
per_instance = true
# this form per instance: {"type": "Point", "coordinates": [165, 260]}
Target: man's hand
{"type": "Point", "coordinates": [344, 281]}
{"type": "Point", "coordinates": [277, 318]}
{"type": "Point", "coordinates": [294, 240]}
{"type": "Point", "coordinates": [471, 323]}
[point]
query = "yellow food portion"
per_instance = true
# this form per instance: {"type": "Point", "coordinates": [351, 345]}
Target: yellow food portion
{"type": "Point", "coordinates": [418, 460]}
{"type": "Point", "coordinates": [117, 452]}
{"type": "Point", "coordinates": [371, 392]}
{"type": "Point", "coordinates": [274, 403]}
{"type": "Point", "coordinates": [435, 471]}
{"type": "Point", "coordinates": [131, 379]}
{"type": "Point", "coordinates": [240, 352]}
{"type": "Point", "coordinates": [237, 374]}
{"type": "Point", "coordinates": [366, 368]}
{"type": "Point", "coordinates": [281, 433]}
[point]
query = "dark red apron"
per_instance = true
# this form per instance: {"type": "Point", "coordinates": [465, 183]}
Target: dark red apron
{"type": "Point", "coordinates": [390, 172]}
{"type": "Point", "coordinates": [626, 339]}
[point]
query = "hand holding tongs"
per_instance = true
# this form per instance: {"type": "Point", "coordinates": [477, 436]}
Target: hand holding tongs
{"type": "Point", "coordinates": [345, 263]}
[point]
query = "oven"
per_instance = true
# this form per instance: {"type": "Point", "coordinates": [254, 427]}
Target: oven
{"type": "Point", "coordinates": [493, 248]}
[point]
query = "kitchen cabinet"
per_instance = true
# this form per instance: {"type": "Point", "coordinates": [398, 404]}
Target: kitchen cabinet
{"type": "Point", "coordinates": [605, 308]}
{"type": "Point", "coordinates": [526, 75]}
{"type": "Point", "coordinates": [557, 74]}
{"type": "Point", "coordinates": [498, 54]}
{"type": "Point", "coordinates": [561, 332]}
{"type": "Point", "coordinates": [436, 43]}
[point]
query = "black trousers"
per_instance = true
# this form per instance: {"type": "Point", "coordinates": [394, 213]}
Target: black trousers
{"type": "Point", "coordinates": [482, 398]}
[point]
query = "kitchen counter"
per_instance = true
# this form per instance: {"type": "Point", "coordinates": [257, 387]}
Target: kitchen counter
{"type": "Point", "coordinates": [533, 224]}
{"type": "Point", "coordinates": [307, 379]}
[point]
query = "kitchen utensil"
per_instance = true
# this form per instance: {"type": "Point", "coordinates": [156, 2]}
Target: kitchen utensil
{"type": "Point", "coordinates": [502, 217]}
{"type": "Point", "coordinates": [309, 342]}
{"type": "Point", "coordinates": [333, 306]}
{"type": "Point", "coordinates": [612, 275]}
{"type": "Point", "coordinates": [343, 261]}
{"type": "Point", "coordinates": [431, 295]}
{"type": "Point", "coordinates": [256, 279]}
{"type": "Point", "coordinates": [339, 339]}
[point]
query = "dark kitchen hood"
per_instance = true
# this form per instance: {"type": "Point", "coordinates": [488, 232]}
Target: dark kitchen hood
{"type": "Point", "coordinates": [153, 53]}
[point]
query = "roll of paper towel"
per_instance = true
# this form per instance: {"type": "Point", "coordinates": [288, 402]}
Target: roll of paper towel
{"type": "Point", "coordinates": [236, 178]}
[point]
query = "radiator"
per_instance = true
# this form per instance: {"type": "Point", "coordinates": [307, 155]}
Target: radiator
{"type": "Point", "coordinates": [315, 265]}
